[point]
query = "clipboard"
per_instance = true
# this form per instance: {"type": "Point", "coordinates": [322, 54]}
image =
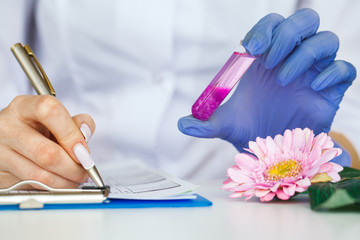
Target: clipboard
{"type": "Point", "coordinates": [83, 198]}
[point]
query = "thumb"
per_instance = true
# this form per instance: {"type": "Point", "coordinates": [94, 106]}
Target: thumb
{"type": "Point", "coordinates": [202, 129]}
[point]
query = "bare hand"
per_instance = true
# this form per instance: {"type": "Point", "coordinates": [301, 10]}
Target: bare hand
{"type": "Point", "coordinates": [37, 137]}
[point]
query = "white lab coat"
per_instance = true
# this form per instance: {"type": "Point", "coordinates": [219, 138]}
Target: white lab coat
{"type": "Point", "coordinates": [136, 67]}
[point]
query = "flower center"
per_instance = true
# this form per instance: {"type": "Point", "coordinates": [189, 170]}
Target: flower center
{"type": "Point", "coordinates": [283, 169]}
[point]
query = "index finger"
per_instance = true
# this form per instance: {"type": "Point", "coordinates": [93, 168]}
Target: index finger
{"type": "Point", "coordinates": [258, 39]}
{"type": "Point", "coordinates": [48, 111]}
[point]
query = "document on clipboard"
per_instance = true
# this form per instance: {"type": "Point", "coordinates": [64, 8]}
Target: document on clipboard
{"type": "Point", "coordinates": [134, 180]}
{"type": "Point", "coordinates": [126, 181]}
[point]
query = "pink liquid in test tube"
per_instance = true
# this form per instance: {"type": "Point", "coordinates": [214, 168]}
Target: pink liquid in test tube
{"type": "Point", "coordinates": [222, 84]}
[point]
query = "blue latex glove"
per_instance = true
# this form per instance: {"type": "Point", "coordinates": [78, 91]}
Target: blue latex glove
{"type": "Point", "coordinates": [294, 83]}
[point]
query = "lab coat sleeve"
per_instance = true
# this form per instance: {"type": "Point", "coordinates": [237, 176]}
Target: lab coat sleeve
{"type": "Point", "coordinates": [16, 25]}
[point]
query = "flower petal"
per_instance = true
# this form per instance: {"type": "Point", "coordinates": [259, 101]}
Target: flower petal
{"type": "Point", "coordinates": [249, 193]}
{"type": "Point", "coordinates": [262, 144]}
{"type": "Point", "coordinates": [261, 193]}
{"type": "Point", "coordinates": [230, 185]}
{"type": "Point", "coordinates": [298, 139]}
{"type": "Point", "coordinates": [336, 167]}
{"type": "Point", "coordinates": [339, 150]}
{"type": "Point", "coordinates": [246, 161]}
{"type": "Point", "coordinates": [328, 143]}
{"type": "Point", "coordinates": [320, 139]}
{"type": "Point", "coordinates": [244, 187]}
{"type": "Point", "coordinates": [307, 132]}
{"type": "Point", "coordinates": [227, 181]}
{"type": "Point", "coordinates": [326, 167]}
{"type": "Point", "coordinates": [268, 197]}
{"type": "Point", "coordinates": [279, 141]}
{"type": "Point", "coordinates": [309, 136]}
{"type": "Point", "coordinates": [327, 155]}
{"type": "Point", "coordinates": [248, 197]}
{"type": "Point", "coordinates": [275, 187]}
{"type": "Point", "coordinates": [249, 150]}
{"type": "Point", "coordinates": [314, 155]}
{"type": "Point", "coordinates": [262, 186]}
{"type": "Point", "coordinates": [237, 176]}
{"type": "Point", "coordinates": [313, 171]}
{"type": "Point", "coordinates": [303, 182]}
{"type": "Point", "coordinates": [236, 195]}
{"type": "Point", "coordinates": [290, 190]}
{"type": "Point", "coordinates": [300, 189]}
{"type": "Point", "coordinates": [271, 146]}
{"type": "Point", "coordinates": [287, 140]}
{"type": "Point", "coordinates": [335, 176]}
{"type": "Point", "coordinates": [282, 195]}
{"type": "Point", "coordinates": [256, 150]}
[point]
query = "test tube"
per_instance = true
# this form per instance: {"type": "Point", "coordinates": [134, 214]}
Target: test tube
{"type": "Point", "coordinates": [222, 84]}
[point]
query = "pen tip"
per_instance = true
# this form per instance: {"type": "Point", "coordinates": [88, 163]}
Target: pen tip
{"type": "Point", "coordinates": [95, 176]}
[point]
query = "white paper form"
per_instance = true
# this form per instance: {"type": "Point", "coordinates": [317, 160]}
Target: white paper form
{"type": "Point", "coordinates": [134, 180]}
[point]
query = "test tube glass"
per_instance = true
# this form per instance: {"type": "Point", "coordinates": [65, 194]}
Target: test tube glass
{"type": "Point", "coordinates": [222, 84]}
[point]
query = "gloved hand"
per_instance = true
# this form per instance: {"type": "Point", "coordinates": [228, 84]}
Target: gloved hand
{"type": "Point", "coordinates": [295, 82]}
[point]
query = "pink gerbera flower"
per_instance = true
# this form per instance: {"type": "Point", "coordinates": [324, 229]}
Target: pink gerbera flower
{"type": "Point", "coordinates": [283, 165]}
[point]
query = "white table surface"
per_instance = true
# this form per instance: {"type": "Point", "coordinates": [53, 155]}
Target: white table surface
{"type": "Point", "coordinates": [226, 219]}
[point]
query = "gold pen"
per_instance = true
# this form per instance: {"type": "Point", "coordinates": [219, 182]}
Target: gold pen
{"type": "Point", "coordinates": [36, 74]}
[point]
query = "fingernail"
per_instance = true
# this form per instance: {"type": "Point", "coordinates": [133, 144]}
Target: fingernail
{"type": "Point", "coordinates": [86, 131]}
{"type": "Point", "coordinates": [83, 156]}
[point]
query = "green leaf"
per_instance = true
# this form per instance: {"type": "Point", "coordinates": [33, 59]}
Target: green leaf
{"type": "Point", "coordinates": [343, 195]}
{"type": "Point", "coordinates": [349, 173]}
